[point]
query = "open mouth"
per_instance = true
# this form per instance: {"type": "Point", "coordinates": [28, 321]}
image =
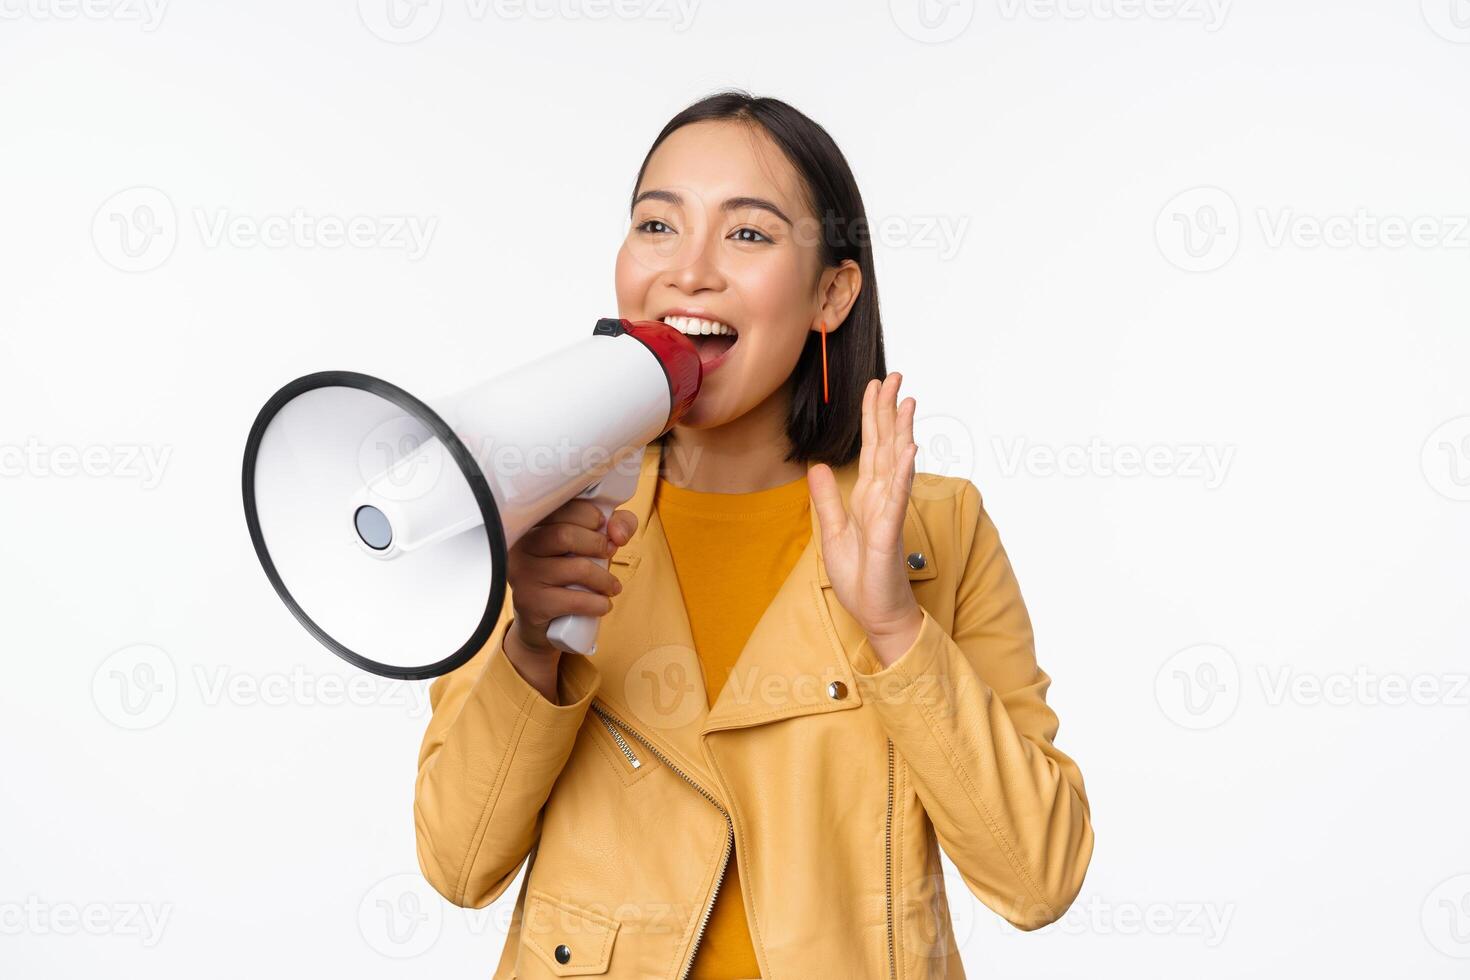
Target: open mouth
{"type": "Point", "coordinates": [711, 338]}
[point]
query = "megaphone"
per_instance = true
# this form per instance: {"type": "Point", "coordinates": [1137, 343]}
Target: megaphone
{"type": "Point", "coordinates": [383, 521]}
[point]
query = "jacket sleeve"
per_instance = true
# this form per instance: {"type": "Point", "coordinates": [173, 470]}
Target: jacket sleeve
{"type": "Point", "coordinates": [967, 713]}
{"type": "Point", "coordinates": [493, 748]}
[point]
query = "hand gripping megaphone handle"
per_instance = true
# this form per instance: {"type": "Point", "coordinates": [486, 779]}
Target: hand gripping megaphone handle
{"type": "Point", "coordinates": [578, 634]}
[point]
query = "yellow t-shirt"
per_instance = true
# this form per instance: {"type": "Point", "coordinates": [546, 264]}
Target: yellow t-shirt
{"type": "Point", "coordinates": [732, 552]}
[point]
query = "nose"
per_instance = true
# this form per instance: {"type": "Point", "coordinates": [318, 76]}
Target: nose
{"type": "Point", "coordinates": [696, 267]}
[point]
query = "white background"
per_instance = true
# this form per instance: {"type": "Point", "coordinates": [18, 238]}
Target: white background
{"type": "Point", "coordinates": [1260, 663]}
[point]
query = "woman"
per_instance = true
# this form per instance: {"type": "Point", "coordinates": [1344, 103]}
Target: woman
{"type": "Point", "coordinates": [814, 669]}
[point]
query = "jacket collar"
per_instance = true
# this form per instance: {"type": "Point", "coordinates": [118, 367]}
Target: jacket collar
{"type": "Point", "coordinates": [795, 662]}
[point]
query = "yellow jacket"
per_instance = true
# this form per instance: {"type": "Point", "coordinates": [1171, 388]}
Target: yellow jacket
{"type": "Point", "coordinates": [840, 779]}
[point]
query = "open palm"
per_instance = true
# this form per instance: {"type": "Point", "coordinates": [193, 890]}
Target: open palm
{"type": "Point", "coordinates": [862, 542]}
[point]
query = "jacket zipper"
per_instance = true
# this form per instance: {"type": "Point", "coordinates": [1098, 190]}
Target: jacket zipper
{"type": "Point", "coordinates": [607, 718]}
{"type": "Point", "coordinates": [888, 867]}
{"type": "Point", "coordinates": [622, 743]}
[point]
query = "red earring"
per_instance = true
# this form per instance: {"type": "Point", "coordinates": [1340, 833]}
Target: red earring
{"type": "Point", "coordinates": [824, 361]}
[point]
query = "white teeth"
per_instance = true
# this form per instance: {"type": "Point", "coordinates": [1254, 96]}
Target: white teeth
{"type": "Point", "coordinates": [696, 326]}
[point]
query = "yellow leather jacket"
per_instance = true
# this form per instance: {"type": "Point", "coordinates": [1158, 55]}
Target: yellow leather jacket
{"type": "Point", "coordinates": [833, 781]}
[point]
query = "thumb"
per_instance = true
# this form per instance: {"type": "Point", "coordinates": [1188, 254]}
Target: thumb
{"type": "Point", "coordinates": [831, 514]}
{"type": "Point", "coordinates": [620, 526]}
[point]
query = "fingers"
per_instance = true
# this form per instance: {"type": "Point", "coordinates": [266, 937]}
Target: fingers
{"type": "Point", "coordinates": [888, 429]}
{"type": "Point", "coordinates": [889, 452]}
{"type": "Point", "coordinates": [896, 504]}
{"type": "Point", "coordinates": [540, 606]}
{"type": "Point", "coordinates": [887, 395]}
{"type": "Point", "coordinates": [556, 568]}
{"type": "Point", "coordinates": [904, 448]}
{"type": "Point", "coordinates": [549, 540]}
{"type": "Point", "coordinates": [621, 526]}
{"type": "Point", "coordinates": [576, 527]}
{"type": "Point", "coordinates": [827, 499]}
{"type": "Point", "coordinates": [579, 511]}
{"type": "Point", "coordinates": [562, 572]}
{"type": "Point", "coordinates": [870, 431]}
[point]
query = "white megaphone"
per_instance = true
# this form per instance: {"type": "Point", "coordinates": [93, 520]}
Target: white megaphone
{"type": "Point", "coordinates": [383, 523]}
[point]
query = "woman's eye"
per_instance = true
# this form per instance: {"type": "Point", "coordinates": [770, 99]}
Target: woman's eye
{"type": "Point", "coordinates": [748, 235]}
{"type": "Point", "coordinates": [653, 226]}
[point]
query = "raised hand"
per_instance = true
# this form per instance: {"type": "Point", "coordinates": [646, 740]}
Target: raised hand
{"type": "Point", "coordinates": [862, 542]}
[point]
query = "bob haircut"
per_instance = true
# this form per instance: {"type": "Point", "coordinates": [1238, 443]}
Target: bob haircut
{"type": "Point", "coordinates": [830, 432]}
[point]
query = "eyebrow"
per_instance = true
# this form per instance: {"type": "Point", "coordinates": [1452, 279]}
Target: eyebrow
{"type": "Point", "coordinates": [733, 204]}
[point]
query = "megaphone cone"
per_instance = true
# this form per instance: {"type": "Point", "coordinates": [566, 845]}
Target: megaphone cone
{"type": "Point", "coordinates": [383, 521]}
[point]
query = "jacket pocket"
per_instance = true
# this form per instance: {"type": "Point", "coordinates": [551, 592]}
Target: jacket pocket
{"type": "Point", "coordinates": [623, 752]}
{"type": "Point", "coordinates": [566, 939]}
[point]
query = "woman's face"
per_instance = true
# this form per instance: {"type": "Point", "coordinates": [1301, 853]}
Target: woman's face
{"type": "Point", "coordinates": [721, 232]}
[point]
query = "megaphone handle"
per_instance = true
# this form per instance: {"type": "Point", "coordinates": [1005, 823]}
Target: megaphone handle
{"type": "Point", "coordinates": [578, 634]}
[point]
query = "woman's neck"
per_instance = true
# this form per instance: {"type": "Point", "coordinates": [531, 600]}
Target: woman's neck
{"type": "Point", "coordinates": [741, 456]}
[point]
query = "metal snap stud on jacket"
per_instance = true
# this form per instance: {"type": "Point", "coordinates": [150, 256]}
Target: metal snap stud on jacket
{"type": "Point", "coordinates": [837, 690]}
{"type": "Point", "coordinates": [916, 560]}
{"type": "Point", "coordinates": [563, 953]}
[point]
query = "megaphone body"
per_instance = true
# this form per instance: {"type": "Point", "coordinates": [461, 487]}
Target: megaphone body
{"type": "Point", "coordinates": [383, 521]}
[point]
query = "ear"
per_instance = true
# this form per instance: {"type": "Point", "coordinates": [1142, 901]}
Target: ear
{"type": "Point", "coordinates": [837, 291]}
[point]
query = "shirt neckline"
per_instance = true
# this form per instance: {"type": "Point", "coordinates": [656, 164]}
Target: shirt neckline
{"type": "Point", "coordinates": [787, 497]}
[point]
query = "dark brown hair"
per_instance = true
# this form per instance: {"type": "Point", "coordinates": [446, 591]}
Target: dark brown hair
{"type": "Point", "coordinates": [829, 432]}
